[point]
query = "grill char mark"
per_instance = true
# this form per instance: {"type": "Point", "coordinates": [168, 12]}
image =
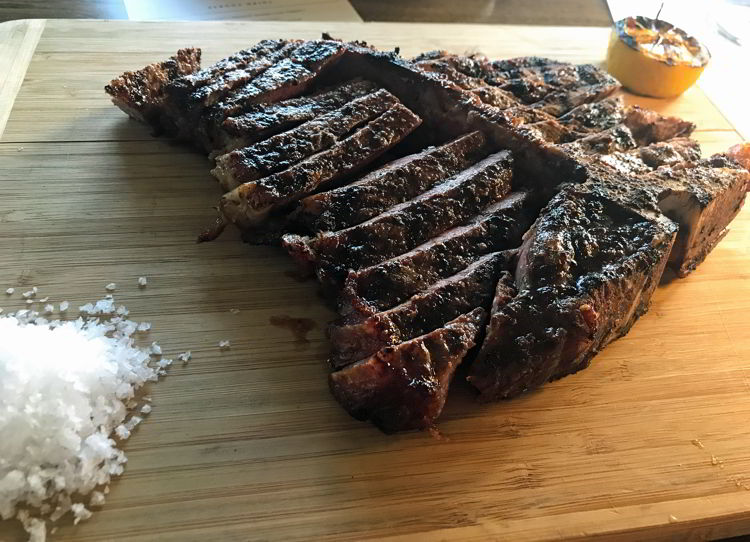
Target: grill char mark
{"type": "Point", "coordinates": [286, 149]}
{"type": "Point", "coordinates": [406, 225]}
{"type": "Point", "coordinates": [142, 94]}
{"type": "Point", "coordinates": [585, 273]}
{"type": "Point", "coordinates": [405, 386]}
{"type": "Point", "coordinates": [424, 312]}
{"type": "Point", "coordinates": [379, 287]}
{"type": "Point", "coordinates": [205, 86]}
{"type": "Point", "coordinates": [249, 204]}
{"type": "Point", "coordinates": [287, 78]}
{"type": "Point", "coordinates": [264, 120]}
{"type": "Point", "coordinates": [390, 185]}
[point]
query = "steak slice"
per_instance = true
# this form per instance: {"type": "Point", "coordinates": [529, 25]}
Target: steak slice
{"type": "Point", "coordinates": [264, 120]}
{"type": "Point", "coordinates": [649, 126]}
{"type": "Point", "coordinates": [560, 102]}
{"type": "Point", "coordinates": [670, 152]}
{"type": "Point", "coordinates": [250, 203]}
{"type": "Point", "coordinates": [394, 183]}
{"type": "Point", "coordinates": [701, 197]}
{"type": "Point", "coordinates": [384, 285]}
{"type": "Point", "coordinates": [285, 79]}
{"type": "Point", "coordinates": [443, 301]}
{"type": "Point", "coordinates": [406, 225]}
{"type": "Point", "coordinates": [596, 116]}
{"type": "Point", "coordinates": [283, 150]}
{"type": "Point", "coordinates": [553, 87]}
{"type": "Point", "coordinates": [405, 386]}
{"type": "Point", "coordinates": [142, 93]}
{"type": "Point", "coordinates": [612, 140]}
{"type": "Point", "coordinates": [207, 86]}
{"type": "Point", "coordinates": [540, 165]}
{"type": "Point", "coordinates": [488, 94]}
{"type": "Point", "coordinates": [586, 272]}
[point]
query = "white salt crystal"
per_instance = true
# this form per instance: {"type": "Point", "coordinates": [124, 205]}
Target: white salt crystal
{"type": "Point", "coordinates": [132, 422]}
{"type": "Point", "coordinates": [104, 306]}
{"type": "Point", "coordinates": [80, 512]}
{"type": "Point", "coordinates": [29, 301]}
{"type": "Point", "coordinates": [10, 291]}
{"type": "Point", "coordinates": [122, 432]}
{"type": "Point", "coordinates": [49, 309]}
{"type": "Point", "coordinates": [146, 409]}
{"type": "Point", "coordinates": [34, 526]}
{"type": "Point", "coordinates": [143, 326]}
{"type": "Point", "coordinates": [224, 345]}
{"type": "Point", "coordinates": [64, 422]}
{"type": "Point", "coordinates": [185, 357]}
{"type": "Point", "coordinates": [35, 290]}
{"type": "Point", "coordinates": [44, 300]}
{"type": "Point", "coordinates": [1, 310]}
{"type": "Point", "coordinates": [96, 499]}
{"type": "Point", "coordinates": [164, 362]}
{"type": "Point", "coordinates": [111, 287]}
{"type": "Point", "coordinates": [155, 349]}
{"type": "Point", "coordinates": [142, 282]}
{"type": "Point", "coordinates": [122, 311]}
{"type": "Point", "coordinates": [64, 306]}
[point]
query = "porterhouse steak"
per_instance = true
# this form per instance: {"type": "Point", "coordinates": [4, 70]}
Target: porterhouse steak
{"type": "Point", "coordinates": [447, 202]}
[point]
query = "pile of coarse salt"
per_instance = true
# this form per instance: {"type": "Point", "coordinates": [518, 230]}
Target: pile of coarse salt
{"type": "Point", "coordinates": [66, 387]}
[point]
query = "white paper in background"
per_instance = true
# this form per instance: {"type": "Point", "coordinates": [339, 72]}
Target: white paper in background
{"type": "Point", "coordinates": [726, 78]}
{"type": "Point", "coordinates": [255, 10]}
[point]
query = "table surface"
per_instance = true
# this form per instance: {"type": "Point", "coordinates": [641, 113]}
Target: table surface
{"type": "Point", "coordinates": [247, 443]}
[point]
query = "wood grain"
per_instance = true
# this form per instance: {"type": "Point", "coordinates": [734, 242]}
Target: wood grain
{"type": "Point", "coordinates": [18, 40]}
{"type": "Point", "coordinates": [247, 444]}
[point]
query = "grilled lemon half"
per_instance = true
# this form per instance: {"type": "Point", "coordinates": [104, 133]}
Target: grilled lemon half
{"type": "Point", "coordinates": [654, 58]}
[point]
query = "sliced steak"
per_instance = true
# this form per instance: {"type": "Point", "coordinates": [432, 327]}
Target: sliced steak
{"type": "Point", "coordinates": [649, 126]}
{"type": "Point", "coordinates": [384, 285]}
{"type": "Point", "coordinates": [741, 154]}
{"type": "Point", "coordinates": [616, 139]}
{"type": "Point", "coordinates": [643, 160]}
{"type": "Point", "coordinates": [540, 165]}
{"type": "Point", "coordinates": [553, 87]}
{"type": "Point", "coordinates": [283, 150]}
{"type": "Point", "coordinates": [209, 85]}
{"type": "Point", "coordinates": [488, 94]}
{"type": "Point", "coordinates": [443, 301]}
{"type": "Point", "coordinates": [702, 197]}
{"type": "Point", "coordinates": [282, 80]}
{"type": "Point", "coordinates": [585, 273]}
{"type": "Point", "coordinates": [141, 94]}
{"type": "Point", "coordinates": [406, 225]}
{"type": "Point", "coordinates": [596, 116]}
{"type": "Point", "coordinates": [394, 183]}
{"type": "Point", "coordinates": [670, 152]}
{"type": "Point", "coordinates": [560, 102]}
{"type": "Point", "coordinates": [405, 386]}
{"type": "Point", "coordinates": [264, 120]}
{"type": "Point", "coordinates": [249, 204]}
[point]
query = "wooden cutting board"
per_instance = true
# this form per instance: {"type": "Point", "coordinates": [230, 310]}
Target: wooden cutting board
{"type": "Point", "coordinates": [648, 443]}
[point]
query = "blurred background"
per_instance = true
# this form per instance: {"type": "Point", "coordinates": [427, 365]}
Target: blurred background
{"type": "Point", "coordinates": [722, 25]}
